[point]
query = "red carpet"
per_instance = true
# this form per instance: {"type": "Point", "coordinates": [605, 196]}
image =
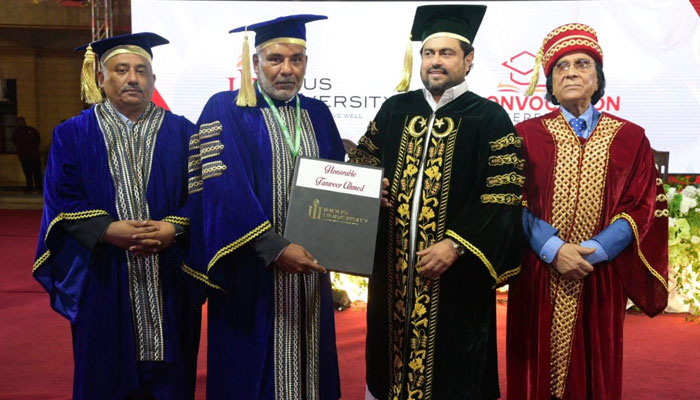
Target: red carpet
{"type": "Point", "coordinates": [662, 355]}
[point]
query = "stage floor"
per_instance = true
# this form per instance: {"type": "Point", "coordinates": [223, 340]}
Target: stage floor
{"type": "Point", "coordinates": [661, 358]}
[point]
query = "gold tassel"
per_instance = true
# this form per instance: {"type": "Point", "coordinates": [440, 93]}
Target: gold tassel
{"type": "Point", "coordinates": [246, 95]}
{"type": "Point", "coordinates": [407, 68]}
{"type": "Point", "coordinates": [535, 74]}
{"type": "Point", "coordinates": [89, 91]}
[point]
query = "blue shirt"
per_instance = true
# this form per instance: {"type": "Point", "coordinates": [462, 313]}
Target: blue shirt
{"type": "Point", "coordinates": [591, 116]}
{"type": "Point", "coordinates": [607, 244]}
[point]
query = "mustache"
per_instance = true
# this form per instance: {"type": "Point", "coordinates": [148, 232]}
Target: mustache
{"type": "Point", "coordinates": [443, 70]}
{"type": "Point", "coordinates": [130, 88]}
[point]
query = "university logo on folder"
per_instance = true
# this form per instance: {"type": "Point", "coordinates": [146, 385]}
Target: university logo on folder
{"type": "Point", "coordinates": [334, 213]}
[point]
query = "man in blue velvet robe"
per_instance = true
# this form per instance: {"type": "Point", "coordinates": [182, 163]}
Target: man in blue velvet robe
{"type": "Point", "coordinates": [271, 328]}
{"type": "Point", "coordinates": [110, 250]}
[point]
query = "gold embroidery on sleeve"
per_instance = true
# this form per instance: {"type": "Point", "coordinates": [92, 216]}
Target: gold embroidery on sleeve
{"type": "Point", "coordinates": [194, 142]}
{"type": "Point", "coordinates": [510, 139]}
{"type": "Point", "coordinates": [210, 130]}
{"type": "Point", "coordinates": [195, 184]}
{"type": "Point", "coordinates": [367, 142]}
{"type": "Point", "coordinates": [211, 149]}
{"type": "Point", "coordinates": [502, 198]}
{"type": "Point", "coordinates": [507, 159]}
{"type": "Point", "coordinates": [359, 156]}
{"type": "Point", "coordinates": [661, 213]}
{"type": "Point", "coordinates": [194, 164]}
{"type": "Point", "coordinates": [506, 179]}
{"type": "Point", "coordinates": [372, 127]}
{"type": "Point", "coordinates": [213, 169]}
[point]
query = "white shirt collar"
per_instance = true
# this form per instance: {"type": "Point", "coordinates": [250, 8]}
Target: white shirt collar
{"type": "Point", "coordinates": [449, 95]}
{"type": "Point", "coordinates": [124, 118]}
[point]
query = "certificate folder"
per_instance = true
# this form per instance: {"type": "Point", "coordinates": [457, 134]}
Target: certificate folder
{"type": "Point", "coordinates": [333, 212]}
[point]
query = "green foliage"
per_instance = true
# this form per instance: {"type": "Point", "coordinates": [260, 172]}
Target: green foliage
{"type": "Point", "coordinates": [684, 245]}
{"type": "Point", "coordinates": [674, 205]}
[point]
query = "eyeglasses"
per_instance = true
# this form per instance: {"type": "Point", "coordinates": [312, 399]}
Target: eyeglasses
{"type": "Point", "coordinates": [581, 64]}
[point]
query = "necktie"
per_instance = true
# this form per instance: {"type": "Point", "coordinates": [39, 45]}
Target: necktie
{"type": "Point", "coordinates": [578, 125]}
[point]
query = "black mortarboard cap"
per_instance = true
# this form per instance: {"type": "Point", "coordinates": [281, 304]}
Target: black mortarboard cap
{"type": "Point", "coordinates": [288, 27]}
{"type": "Point", "coordinates": [456, 19]}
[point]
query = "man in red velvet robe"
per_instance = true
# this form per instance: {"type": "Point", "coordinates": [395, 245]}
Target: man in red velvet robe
{"type": "Point", "coordinates": [597, 224]}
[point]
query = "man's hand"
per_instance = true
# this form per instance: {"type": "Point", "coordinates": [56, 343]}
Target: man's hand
{"type": "Point", "coordinates": [295, 259]}
{"type": "Point", "coordinates": [155, 241]}
{"type": "Point", "coordinates": [385, 193]}
{"type": "Point", "coordinates": [435, 260]}
{"type": "Point", "coordinates": [121, 233]}
{"type": "Point", "coordinates": [570, 262]}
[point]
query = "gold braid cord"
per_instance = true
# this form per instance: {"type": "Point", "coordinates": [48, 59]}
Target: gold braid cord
{"type": "Point", "coordinates": [569, 27]}
{"type": "Point", "coordinates": [637, 241]}
{"type": "Point", "coordinates": [576, 210]}
{"type": "Point", "coordinates": [69, 216]}
{"type": "Point", "coordinates": [201, 277]}
{"type": "Point", "coordinates": [576, 41]}
{"type": "Point", "coordinates": [229, 248]}
{"type": "Point", "coordinates": [173, 219]}
{"type": "Point", "coordinates": [507, 159]}
{"type": "Point", "coordinates": [510, 139]}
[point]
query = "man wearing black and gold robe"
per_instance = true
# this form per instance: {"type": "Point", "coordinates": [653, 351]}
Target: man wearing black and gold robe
{"type": "Point", "coordinates": [451, 232]}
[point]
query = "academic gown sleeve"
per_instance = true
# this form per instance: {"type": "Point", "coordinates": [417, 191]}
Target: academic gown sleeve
{"type": "Point", "coordinates": [643, 266]}
{"type": "Point", "coordinates": [61, 262]}
{"type": "Point", "coordinates": [226, 214]}
{"type": "Point", "coordinates": [490, 225]}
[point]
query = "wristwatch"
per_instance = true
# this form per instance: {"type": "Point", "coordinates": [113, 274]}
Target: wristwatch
{"type": "Point", "coordinates": [458, 248]}
{"type": "Point", "coordinates": [179, 231]}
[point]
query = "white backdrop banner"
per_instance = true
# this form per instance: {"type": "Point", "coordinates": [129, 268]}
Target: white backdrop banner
{"type": "Point", "coordinates": [651, 58]}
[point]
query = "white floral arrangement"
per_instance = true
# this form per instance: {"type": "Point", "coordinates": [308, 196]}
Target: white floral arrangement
{"type": "Point", "coordinates": [684, 249]}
